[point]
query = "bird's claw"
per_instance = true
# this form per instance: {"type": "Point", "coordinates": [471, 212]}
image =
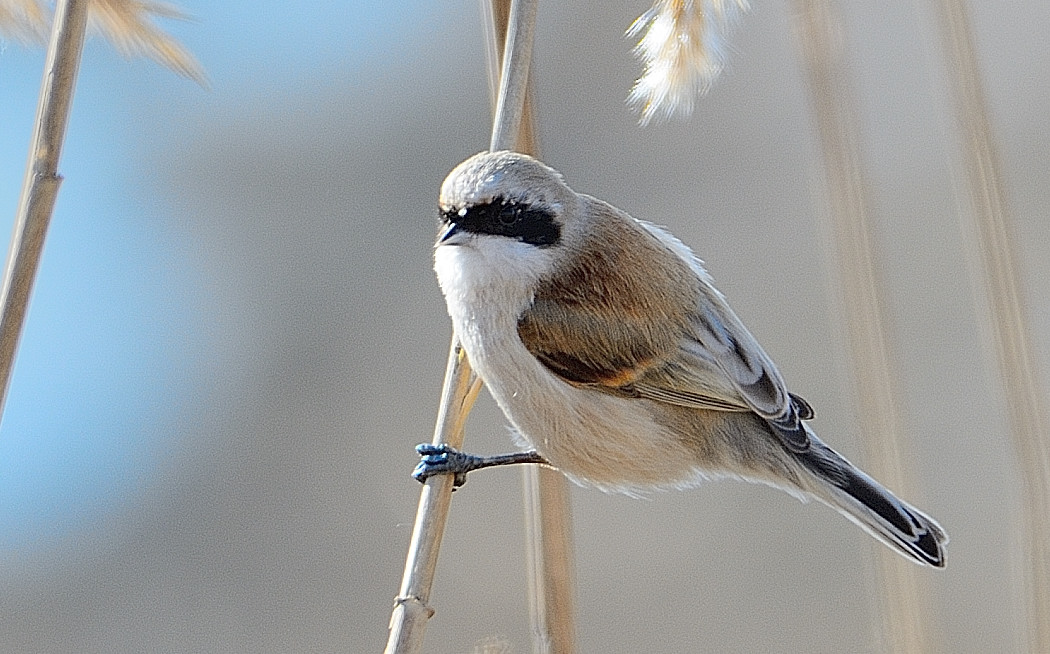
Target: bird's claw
{"type": "Point", "coordinates": [443, 460]}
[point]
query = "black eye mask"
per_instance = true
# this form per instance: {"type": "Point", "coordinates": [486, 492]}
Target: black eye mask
{"type": "Point", "coordinates": [516, 220]}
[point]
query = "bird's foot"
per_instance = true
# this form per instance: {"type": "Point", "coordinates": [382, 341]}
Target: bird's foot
{"type": "Point", "coordinates": [447, 460]}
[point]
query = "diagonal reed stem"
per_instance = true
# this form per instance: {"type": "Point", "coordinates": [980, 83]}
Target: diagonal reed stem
{"type": "Point", "coordinates": [411, 608]}
{"type": "Point", "coordinates": [548, 530]}
{"type": "Point", "coordinates": [40, 187]}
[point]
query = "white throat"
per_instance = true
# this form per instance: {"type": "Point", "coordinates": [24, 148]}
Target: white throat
{"type": "Point", "coordinates": [487, 288]}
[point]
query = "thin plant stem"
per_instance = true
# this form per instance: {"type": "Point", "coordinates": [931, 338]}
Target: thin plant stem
{"type": "Point", "coordinates": [1024, 394]}
{"type": "Point", "coordinates": [408, 622]}
{"type": "Point", "coordinates": [548, 524]}
{"type": "Point", "coordinates": [40, 187]}
{"type": "Point", "coordinates": [548, 529]}
{"type": "Point", "coordinates": [461, 386]}
{"type": "Point", "coordinates": [904, 627]}
{"type": "Point", "coordinates": [514, 78]}
{"type": "Point", "coordinates": [496, 14]}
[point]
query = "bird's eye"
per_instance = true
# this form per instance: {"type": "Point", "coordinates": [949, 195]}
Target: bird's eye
{"type": "Point", "coordinates": [509, 214]}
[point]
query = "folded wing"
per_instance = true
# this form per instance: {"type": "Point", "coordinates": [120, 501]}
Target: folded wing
{"type": "Point", "coordinates": [633, 337]}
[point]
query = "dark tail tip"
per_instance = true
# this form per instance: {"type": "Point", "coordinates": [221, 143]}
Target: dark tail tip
{"type": "Point", "coordinates": [918, 534]}
{"type": "Point", "coordinates": [902, 526]}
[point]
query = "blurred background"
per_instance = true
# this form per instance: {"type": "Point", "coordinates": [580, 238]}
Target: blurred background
{"type": "Point", "coordinates": [236, 337]}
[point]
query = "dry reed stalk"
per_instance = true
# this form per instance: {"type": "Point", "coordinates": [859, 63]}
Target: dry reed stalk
{"type": "Point", "coordinates": [40, 187]}
{"type": "Point", "coordinates": [514, 76]}
{"type": "Point", "coordinates": [1025, 396]}
{"type": "Point", "coordinates": [548, 524]}
{"type": "Point", "coordinates": [127, 24]}
{"type": "Point", "coordinates": [548, 528]}
{"type": "Point", "coordinates": [495, 16]}
{"type": "Point", "coordinates": [904, 594]}
{"type": "Point", "coordinates": [411, 608]}
{"type": "Point", "coordinates": [408, 622]}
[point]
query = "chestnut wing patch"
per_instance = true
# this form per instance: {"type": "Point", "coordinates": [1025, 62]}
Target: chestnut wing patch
{"type": "Point", "coordinates": [583, 349]}
{"type": "Point", "coordinates": [623, 358]}
{"type": "Point", "coordinates": [614, 326]}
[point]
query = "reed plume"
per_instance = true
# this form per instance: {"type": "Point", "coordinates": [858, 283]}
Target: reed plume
{"type": "Point", "coordinates": [683, 50]}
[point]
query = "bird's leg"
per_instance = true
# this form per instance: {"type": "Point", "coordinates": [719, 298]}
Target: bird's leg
{"type": "Point", "coordinates": [446, 460]}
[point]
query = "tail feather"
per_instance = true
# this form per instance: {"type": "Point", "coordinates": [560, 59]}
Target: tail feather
{"type": "Point", "coordinates": [864, 501]}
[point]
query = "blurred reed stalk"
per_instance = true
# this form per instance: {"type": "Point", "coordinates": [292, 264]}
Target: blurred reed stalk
{"type": "Point", "coordinates": [904, 597]}
{"type": "Point", "coordinates": [1025, 397]}
{"type": "Point", "coordinates": [548, 523]}
{"type": "Point", "coordinates": [461, 386]}
{"type": "Point", "coordinates": [127, 24]}
{"type": "Point", "coordinates": [40, 187]}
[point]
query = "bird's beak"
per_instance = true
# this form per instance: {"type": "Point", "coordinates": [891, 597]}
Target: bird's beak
{"type": "Point", "coordinates": [447, 236]}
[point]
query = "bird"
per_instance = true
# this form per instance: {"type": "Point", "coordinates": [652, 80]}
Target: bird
{"type": "Point", "coordinates": [616, 360]}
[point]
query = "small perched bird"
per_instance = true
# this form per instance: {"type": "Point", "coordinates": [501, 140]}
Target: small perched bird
{"type": "Point", "coordinates": [614, 357]}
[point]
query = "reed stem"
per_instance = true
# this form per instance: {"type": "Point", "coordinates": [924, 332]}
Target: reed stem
{"type": "Point", "coordinates": [40, 186]}
{"type": "Point", "coordinates": [548, 524]}
{"type": "Point", "coordinates": [411, 608]}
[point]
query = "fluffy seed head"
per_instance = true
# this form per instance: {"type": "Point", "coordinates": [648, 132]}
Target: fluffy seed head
{"type": "Point", "coordinates": [683, 50]}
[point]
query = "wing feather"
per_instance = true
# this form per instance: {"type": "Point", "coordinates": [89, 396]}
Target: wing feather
{"type": "Point", "coordinates": [597, 324]}
{"type": "Point", "coordinates": [721, 336]}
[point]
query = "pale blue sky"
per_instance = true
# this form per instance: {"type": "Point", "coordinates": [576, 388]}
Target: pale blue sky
{"type": "Point", "coordinates": [119, 329]}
